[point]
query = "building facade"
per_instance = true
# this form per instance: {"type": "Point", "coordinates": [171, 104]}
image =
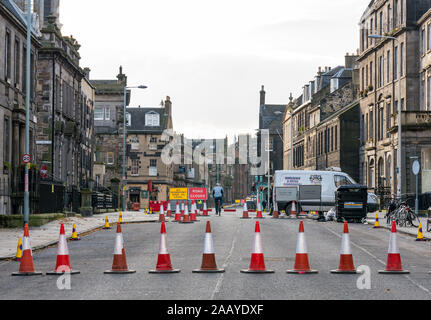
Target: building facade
{"type": "Point", "coordinates": [13, 68]}
{"type": "Point", "coordinates": [378, 62]}
{"type": "Point", "coordinates": [148, 177]}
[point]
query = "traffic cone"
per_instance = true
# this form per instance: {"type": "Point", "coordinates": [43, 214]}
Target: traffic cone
{"type": "Point", "coordinates": [259, 210]}
{"type": "Point", "coordinates": [346, 258]}
{"type": "Point", "coordinates": [169, 213]}
{"type": "Point", "coordinates": [245, 212]}
{"type": "Point", "coordinates": [205, 211]}
{"type": "Point", "coordinates": [177, 213]}
{"type": "Point", "coordinates": [186, 218]}
{"type": "Point", "coordinates": [162, 214]}
{"type": "Point", "coordinates": [302, 265]}
{"type": "Point", "coordinates": [26, 267]}
{"type": "Point", "coordinates": [209, 264]}
{"type": "Point", "coordinates": [257, 263]}
{"type": "Point", "coordinates": [420, 236]}
{"type": "Point", "coordinates": [182, 209]}
{"type": "Point", "coordinates": [194, 213]}
{"type": "Point", "coordinates": [119, 264]}
{"type": "Point", "coordinates": [63, 263]}
{"type": "Point", "coordinates": [293, 210]}
{"type": "Point", "coordinates": [164, 264]}
{"type": "Point", "coordinates": [74, 234]}
{"type": "Point", "coordinates": [377, 223]}
{"type": "Point", "coordinates": [120, 218]}
{"type": "Point", "coordinates": [393, 264]}
{"type": "Point", "coordinates": [107, 226]}
{"type": "Point", "coordinates": [275, 213]}
{"type": "Point", "coordinates": [18, 255]}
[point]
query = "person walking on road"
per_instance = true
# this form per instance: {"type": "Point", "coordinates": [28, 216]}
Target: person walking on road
{"type": "Point", "coordinates": [218, 198]}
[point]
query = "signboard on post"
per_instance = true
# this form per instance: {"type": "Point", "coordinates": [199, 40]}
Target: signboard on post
{"type": "Point", "coordinates": [178, 194]}
{"type": "Point", "coordinates": [26, 158]}
{"type": "Point", "coordinates": [198, 194]}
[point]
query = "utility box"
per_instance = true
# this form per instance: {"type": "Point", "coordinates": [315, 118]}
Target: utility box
{"type": "Point", "coordinates": [351, 202]}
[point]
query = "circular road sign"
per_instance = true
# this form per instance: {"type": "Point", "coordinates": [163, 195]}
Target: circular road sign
{"type": "Point", "coordinates": [416, 167]}
{"type": "Point", "coordinates": [26, 158]}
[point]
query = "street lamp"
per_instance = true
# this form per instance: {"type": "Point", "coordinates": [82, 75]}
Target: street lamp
{"type": "Point", "coordinates": [399, 162]}
{"type": "Point", "coordinates": [27, 113]}
{"type": "Point", "coordinates": [124, 142]}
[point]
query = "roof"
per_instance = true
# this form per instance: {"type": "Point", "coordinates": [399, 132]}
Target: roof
{"type": "Point", "coordinates": [271, 116]}
{"type": "Point", "coordinates": [108, 85]}
{"type": "Point", "coordinates": [138, 120]}
{"type": "Point", "coordinates": [16, 11]}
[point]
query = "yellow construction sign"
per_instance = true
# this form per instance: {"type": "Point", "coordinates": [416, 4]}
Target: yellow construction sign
{"type": "Point", "coordinates": [178, 194]}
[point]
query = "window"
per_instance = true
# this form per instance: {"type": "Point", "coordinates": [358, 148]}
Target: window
{"type": "Point", "coordinates": [99, 113]}
{"type": "Point", "coordinates": [371, 73]}
{"type": "Point", "coordinates": [371, 125]}
{"type": "Point", "coordinates": [336, 138]}
{"type": "Point", "coordinates": [6, 138]}
{"type": "Point", "coordinates": [332, 139]}
{"type": "Point", "coordinates": [381, 71]}
{"type": "Point", "coordinates": [402, 59]}
{"type": "Point", "coordinates": [153, 140]}
{"type": "Point", "coordinates": [402, 11]}
{"type": "Point", "coordinates": [107, 113]}
{"type": "Point", "coordinates": [388, 119]}
{"type": "Point", "coordinates": [396, 63]}
{"type": "Point", "coordinates": [388, 19]}
{"type": "Point", "coordinates": [341, 181]}
{"type": "Point", "coordinates": [428, 38]}
{"type": "Point", "coordinates": [395, 13]}
{"type": "Point", "coordinates": [7, 55]}
{"type": "Point", "coordinates": [422, 43]}
{"type": "Point", "coordinates": [110, 158]}
{"type": "Point", "coordinates": [381, 23]}
{"type": "Point", "coordinates": [388, 70]}
{"type": "Point", "coordinates": [24, 70]}
{"type": "Point", "coordinates": [128, 119]}
{"type": "Point", "coordinates": [135, 167]}
{"type": "Point", "coordinates": [152, 119]}
{"type": "Point", "coordinates": [429, 95]}
{"type": "Point", "coordinates": [153, 168]}
{"type": "Point", "coordinates": [16, 62]}
{"type": "Point", "coordinates": [362, 79]}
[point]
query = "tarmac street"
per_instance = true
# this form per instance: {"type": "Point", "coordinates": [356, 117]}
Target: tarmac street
{"type": "Point", "coordinates": [233, 244]}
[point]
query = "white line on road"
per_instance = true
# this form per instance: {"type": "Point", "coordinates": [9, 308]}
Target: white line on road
{"type": "Point", "coordinates": [382, 262]}
{"type": "Point", "coordinates": [225, 264]}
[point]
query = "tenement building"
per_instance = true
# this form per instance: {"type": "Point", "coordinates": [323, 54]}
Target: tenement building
{"type": "Point", "coordinates": [321, 127]}
{"type": "Point", "coordinates": [13, 68]}
{"type": "Point", "coordinates": [148, 177]}
{"type": "Point", "coordinates": [379, 60]}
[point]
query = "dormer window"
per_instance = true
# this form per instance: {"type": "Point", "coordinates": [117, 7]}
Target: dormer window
{"type": "Point", "coordinates": [152, 119]}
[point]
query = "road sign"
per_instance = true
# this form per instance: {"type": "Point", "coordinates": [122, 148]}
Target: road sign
{"type": "Point", "coordinates": [178, 194]}
{"type": "Point", "coordinates": [198, 194]}
{"type": "Point", "coordinates": [44, 172]}
{"type": "Point", "coordinates": [416, 167]}
{"type": "Point", "coordinates": [26, 158]}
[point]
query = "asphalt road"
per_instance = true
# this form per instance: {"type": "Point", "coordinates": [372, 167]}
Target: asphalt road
{"type": "Point", "coordinates": [233, 239]}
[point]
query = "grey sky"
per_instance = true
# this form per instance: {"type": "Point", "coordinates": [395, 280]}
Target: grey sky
{"type": "Point", "coordinates": [211, 57]}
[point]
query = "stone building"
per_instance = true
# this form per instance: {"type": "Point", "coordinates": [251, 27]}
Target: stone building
{"type": "Point", "coordinates": [108, 127]}
{"type": "Point", "coordinates": [64, 133]}
{"type": "Point", "coordinates": [13, 67]}
{"type": "Point", "coordinates": [148, 177]}
{"type": "Point", "coordinates": [378, 63]}
{"type": "Point", "coordinates": [321, 127]}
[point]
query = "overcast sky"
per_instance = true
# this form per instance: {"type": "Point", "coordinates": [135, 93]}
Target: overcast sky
{"type": "Point", "coordinates": [212, 57]}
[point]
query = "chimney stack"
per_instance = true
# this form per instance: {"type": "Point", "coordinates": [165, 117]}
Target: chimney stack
{"type": "Point", "coordinates": [262, 96]}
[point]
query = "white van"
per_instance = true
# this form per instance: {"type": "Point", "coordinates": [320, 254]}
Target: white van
{"type": "Point", "coordinates": [329, 180]}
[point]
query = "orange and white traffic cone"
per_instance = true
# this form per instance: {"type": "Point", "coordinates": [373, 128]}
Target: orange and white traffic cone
{"type": "Point", "coordinates": [209, 264]}
{"type": "Point", "coordinates": [259, 210]}
{"type": "Point", "coordinates": [346, 258]}
{"type": "Point", "coordinates": [245, 212]}
{"type": "Point", "coordinates": [302, 265]}
{"type": "Point", "coordinates": [186, 218]}
{"type": "Point", "coordinates": [162, 214]}
{"type": "Point", "coordinates": [257, 263]}
{"type": "Point", "coordinates": [26, 267]}
{"type": "Point", "coordinates": [182, 209]}
{"type": "Point", "coordinates": [293, 210]}
{"type": "Point", "coordinates": [205, 211]}
{"type": "Point", "coordinates": [119, 264]}
{"type": "Point", "coordinates": [193, 211]}
{"type": "Point", "coordinates": [169, 213]}
{"type": "Point", "coordinates": [164, 264]}
{"type": "Point", "coordinates": [393, 263]}
{"type": "Point", "coordinates": [275, 213]}
{"type": "Point", "coordinates": [177, 213]}
{"type": "Point", "coordinates": [63, 261]}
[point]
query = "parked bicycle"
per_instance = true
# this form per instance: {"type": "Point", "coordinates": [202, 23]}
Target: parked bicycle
{"type": "Point", "coordinates": [402, 214]}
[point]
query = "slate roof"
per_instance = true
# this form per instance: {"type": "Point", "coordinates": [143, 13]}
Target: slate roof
{"type": "Point", "coordinates": [138, 120]}
{"type": "Point", "coordinates": [271, 116]}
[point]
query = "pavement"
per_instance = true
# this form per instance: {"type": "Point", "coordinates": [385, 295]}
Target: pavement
{"type": "Point", "coordinates": [48, 234]}
{"type": "Point", "coordinates": [233, 242]}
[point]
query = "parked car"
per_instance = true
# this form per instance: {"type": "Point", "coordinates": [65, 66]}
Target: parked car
{"type": "Point", "coordinates": [329, 180]}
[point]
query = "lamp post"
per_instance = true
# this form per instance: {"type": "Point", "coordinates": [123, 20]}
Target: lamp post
{"type": "Point", "coordinates": [123, 186]}
{"type": "Point", "coordinates": [27, 113]}
{"type": "Point", "coordinates": [399, 156]}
